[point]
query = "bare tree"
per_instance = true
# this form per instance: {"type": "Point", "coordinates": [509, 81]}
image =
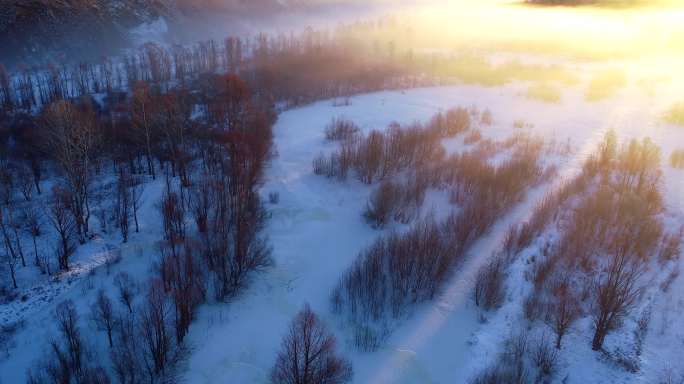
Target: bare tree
{"type": "Point", "coordinates": [563, 310]}
{"type": "Point", "coordinates": [102, 314]}
{"type": "Point", "coordinates": [123, 202]}
{"type": "Point", "coordinates": [67, 357]}
{"type": "Point", "coordinates": [7, 182]}
{"type": "Point", "coordinates": [616, 293]}
{"type": "Point", "coordinates": [136, 190]}
{"type": "Point", "coordinates": [154, 326]}
{"type": "Point", "coordinates": [25, 181]}
{"type": "Point", "coordinates": [73, 349]}
{"type": "Point", "coordinates": [308, 354]}
{"type": "Point", "coordinates": [126, 287]}
{"type": "Point", "coordinates": [142, 111]}
{"type": "Point", "coordinates": [5, 90]}
{"type": "Point", "coordinates": [73, 137]}
{"type": "Point", "coordinates": [184, 281]}
{"type": "Point", "coordinates": [11, 266]}
{"type": "Point", "coordinates": [9, 238]}
{"type": "Point", "coordinates": [173, 216]}
{"type": "Point", "coordinates": [17, 222]}
{"type": "Point", "coordinates": [127, 353]}
{"type": "Point", "coordinates": [34, 228]}
{"type": "Point", "coordinates": [63, 223]}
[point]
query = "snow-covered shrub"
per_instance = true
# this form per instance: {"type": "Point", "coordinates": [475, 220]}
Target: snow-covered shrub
{"type": "Point", "coordinates": [523, 360]}
{"type": "Point", "coordinates": [671, 246]}
{"type": "Point", "coordinates": [489, 284]}
{"type": "Point", "coordinates": [533, 307]}
{"type": "Point", "coordinates": [379, 155]}
{"type": "Point", "coordinates": [395, 201]}
{"type": "Point", "coordinates": [383, 204]}
{"type": "Point", "coordinates": [675, 115]}
{"type": "Point", "coordinates": [449, 124]}
{"type": "Point", "coordinates": [273, 197]}
{"type": "Point", "coordinates": [369, 338]}
{"type": "Point", "coordinates": [473, 137]}
{"type": "Point", "coordinates": [677, 159]}
{"type": "Point", "coordinates": [337, 165]}
{"type": "Point", "coordinates": [457, 121]}
{"type": "Point", "coordinates": [510, 366]}
{"type": "Point", "coordinates": [486, 117]}
{"type": "Point", "coordinates": [341, 129]}
{"type": "Point", "coordinates": [545, 358]}
{"type": "Point", "coordinates": [7, 332]}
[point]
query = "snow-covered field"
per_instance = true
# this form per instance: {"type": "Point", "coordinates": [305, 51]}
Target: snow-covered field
{"type": "Point", "coordinates": [316, 231]}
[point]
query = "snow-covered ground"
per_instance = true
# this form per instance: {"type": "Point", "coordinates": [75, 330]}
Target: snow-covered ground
{"type": "Point", "coordinates": [316, 231]}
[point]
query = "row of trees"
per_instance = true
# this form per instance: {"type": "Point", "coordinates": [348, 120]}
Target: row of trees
{"type": "Point", "coordinates": [381, 155]}
{"type": "Point", "coordinates": [292, 68]}
{"type": "Point", "coordinates": [610, 229]}
{"type": "Point", "coordinates": [609, 225]}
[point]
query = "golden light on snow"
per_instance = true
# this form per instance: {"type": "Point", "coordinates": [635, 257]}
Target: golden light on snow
{"type": "Point", "coordinates": [591, 32]}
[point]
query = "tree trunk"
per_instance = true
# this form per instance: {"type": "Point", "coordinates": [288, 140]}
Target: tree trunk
{"type": "Point", "coordinates": [13, 273]}
{"type": "Point", "coordinates": [36, 259]}
{"type": "Point", "coordinates": [599, 336]}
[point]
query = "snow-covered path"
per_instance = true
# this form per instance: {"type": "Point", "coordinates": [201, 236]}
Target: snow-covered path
{"type": "Point", "coordinates": [44, 292]}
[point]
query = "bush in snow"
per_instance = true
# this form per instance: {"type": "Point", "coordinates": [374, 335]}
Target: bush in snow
{"type": "Point", "coordinates": [677, 158]}
{"type": "Point", "coordinates": [341, 129]}
{"type": "Point", "coordinates": [523, 360]}
{"type": "Point", "coordinates": [382, 204]}
{"type": "Point", "coordinates": [489, 284]}
{"type": "Point", "coordinates": [473, 137]}
{"type": "Point", "coordinates": [382, 154]}
{"type": "Point", "coordinates": [395, 201]}
{"type": "Point", "coordinates": [486, 117]}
